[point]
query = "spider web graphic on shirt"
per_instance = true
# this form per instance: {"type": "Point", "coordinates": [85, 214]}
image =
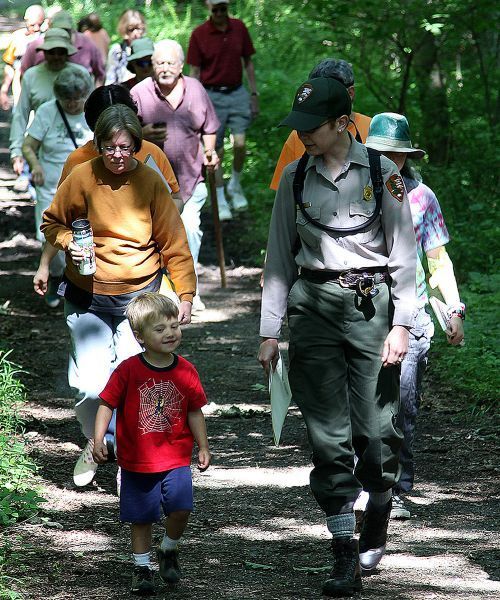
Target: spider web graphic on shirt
{"type": "Point", "coordinates": [160, 406]}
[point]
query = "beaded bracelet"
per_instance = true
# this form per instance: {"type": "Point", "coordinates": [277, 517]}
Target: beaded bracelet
{"type": "Point", "coordinates": [457, 310]}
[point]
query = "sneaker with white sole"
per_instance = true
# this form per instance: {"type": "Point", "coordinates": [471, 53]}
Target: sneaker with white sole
{"type": "Point", "coordinates": [225, 213]}
{"type": "Point", "coordinates": [52, 299]}
{"type": "Point", "coordinates": [198, 304]}
{"type": "Point", "coordinates": [373, 536]}
{"type": "Point", "coordinates": [399, 510]}
{"type": "Point", "coordinates": [238, 200]}
{"type": "Point", "coordinates": [85, 467]}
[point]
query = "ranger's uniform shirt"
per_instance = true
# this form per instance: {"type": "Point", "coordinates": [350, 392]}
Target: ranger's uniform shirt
{"type": "Point", "coordinates": [344, 202]}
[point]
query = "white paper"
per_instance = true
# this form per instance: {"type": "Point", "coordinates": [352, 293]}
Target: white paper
{"type": "Point", "coordinates": [150, 161]}
{"type": "Point", "coordinates": [279, 390]}
{"type": "Point", "coordinates": [441, 311]}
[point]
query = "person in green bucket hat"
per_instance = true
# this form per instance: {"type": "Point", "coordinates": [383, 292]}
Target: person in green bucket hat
{"type": "Point", "coordinates": [389, 133]}
{"type": "Point", "coordinates": [341, 262]}
{"type": "Point", "coordinates": [139, 62]}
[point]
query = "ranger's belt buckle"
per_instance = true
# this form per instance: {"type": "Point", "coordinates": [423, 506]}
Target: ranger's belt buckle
{"type": "Point", "coordinates": [365, 287]}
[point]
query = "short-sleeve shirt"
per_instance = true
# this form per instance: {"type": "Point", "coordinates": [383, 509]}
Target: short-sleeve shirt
{"type": "Point", "coordinates": [152, 408]}
{"type": "Point", "coordinates": [430, 229]}
{"type": "Point", "coordinates": [219, 53]}
{"type": "Point", "coordinates": [49, 129]}
{"type": "Point", "coordinates": [194, 116]}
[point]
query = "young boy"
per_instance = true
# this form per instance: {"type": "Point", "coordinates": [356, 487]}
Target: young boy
{"type": "Point", "coordinates": [158, 396]}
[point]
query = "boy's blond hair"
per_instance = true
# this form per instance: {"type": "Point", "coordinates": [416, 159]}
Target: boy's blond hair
{"type": "Point", "coordinates": [148, 306]}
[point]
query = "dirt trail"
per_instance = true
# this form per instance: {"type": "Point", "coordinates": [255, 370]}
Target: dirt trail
{"type": "Point", "coordinates": [256, 532]}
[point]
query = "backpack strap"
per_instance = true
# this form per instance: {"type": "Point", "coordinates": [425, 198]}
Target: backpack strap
{"type": "Point", "coordinates": [66, 124]}
{"type": "Point", "coordinates": [378, 190]}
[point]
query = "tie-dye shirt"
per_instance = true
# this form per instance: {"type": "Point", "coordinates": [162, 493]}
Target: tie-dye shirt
{"type": "Point", "coordinates": [430, 229]}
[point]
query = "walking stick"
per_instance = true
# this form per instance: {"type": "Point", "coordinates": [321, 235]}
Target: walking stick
{"type": "Point", "coordinates": [217, 228]}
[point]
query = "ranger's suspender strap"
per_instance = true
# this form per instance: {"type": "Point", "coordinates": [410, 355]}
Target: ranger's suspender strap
{"type": "Point", "coordinates": [377, 182]}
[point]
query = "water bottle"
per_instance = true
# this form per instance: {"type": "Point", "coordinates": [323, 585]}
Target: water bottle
{"type": "Point", "coordinates": [82, 236]}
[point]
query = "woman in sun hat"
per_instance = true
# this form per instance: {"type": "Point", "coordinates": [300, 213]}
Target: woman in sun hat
{"type": "Point", "coordinates": [38, 87]}
{"type": "Point", "coordinates": [341, 262]}
{"type": "Point", "coordinates": [390, 134]}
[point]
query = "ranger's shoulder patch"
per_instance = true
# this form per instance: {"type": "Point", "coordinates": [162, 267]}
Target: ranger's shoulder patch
{"type": "Point", "coordinates": [396, 187]}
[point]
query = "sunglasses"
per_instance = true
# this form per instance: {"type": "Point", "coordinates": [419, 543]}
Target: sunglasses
{"type": "Point", "coordinates": [56, 52]}
{"type": "Point", "coordinates": [143, 63]}
{"type": "Point", "coordinates": [219, 9]}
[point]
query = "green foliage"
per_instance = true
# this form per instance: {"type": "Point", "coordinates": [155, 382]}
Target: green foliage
{"type": "Point", "coordinates": [473, 369]}
{"type": "Point", "coordinates": [434, 61]}
{"type": "Point", "coordinates": [17, 497]}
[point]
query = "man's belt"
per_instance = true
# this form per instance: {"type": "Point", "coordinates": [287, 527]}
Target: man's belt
{"type": "Point", "coordinates": [223, 89]}
{"type": "Point", "coordinates": [363, 281]}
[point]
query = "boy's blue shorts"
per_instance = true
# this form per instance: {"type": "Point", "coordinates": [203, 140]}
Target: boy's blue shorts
{"type": "Point", "coordinates": [142, 494]}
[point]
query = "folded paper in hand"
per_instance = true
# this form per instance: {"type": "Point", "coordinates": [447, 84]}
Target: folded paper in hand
{"type": "Point", "coordinates": [279, 390]}
{"type": "Point", "coordinates": [150, 161]}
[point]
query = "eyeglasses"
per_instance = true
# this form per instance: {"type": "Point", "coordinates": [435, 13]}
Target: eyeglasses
{"type": "Point", "coordinates": [56, 52]}
{"type": "Point", "coordinates": [133, 28]}
{"type": "Point", "coordinates": [143, 63]}
{"type": "Point", "coordinates": [111, 150]}
{"type": "Point", "coordinates": [219, 9]}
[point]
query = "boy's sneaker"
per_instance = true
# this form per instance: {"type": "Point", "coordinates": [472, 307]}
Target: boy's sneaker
{"type": "Point", "coordinates": [399, 510]}
{"type": "Point", "coordinates": [170, 570]}
{"type": "Point", "coordinates": [373, 537]}
{"type": "Point", "coordinates": [85, 467]}
{"type": "Point", "coordinates": [143, 581]}
{"type": "Point", "coordinates": [238, 199]}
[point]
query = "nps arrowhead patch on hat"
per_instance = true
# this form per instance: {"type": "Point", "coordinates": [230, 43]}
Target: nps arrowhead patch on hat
{"type": "Point", "coordinates": [396, 187]}
{"type": "Point", "coordinates": [304, 92]}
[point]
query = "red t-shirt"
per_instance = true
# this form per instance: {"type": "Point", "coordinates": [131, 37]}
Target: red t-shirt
{"type": "Point", "coordinates": [152, 433]}
{"type": "Point", "coordinates": [219, 53]}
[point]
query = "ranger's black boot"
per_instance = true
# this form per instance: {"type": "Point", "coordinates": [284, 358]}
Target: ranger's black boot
{"type": "Point", "coordinates": [345, 577]}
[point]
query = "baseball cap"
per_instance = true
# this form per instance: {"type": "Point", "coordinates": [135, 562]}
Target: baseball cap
{"type": "Point", "coordinates": [316, 101]}
{"type": "Point", "coordinates": [390, 132]}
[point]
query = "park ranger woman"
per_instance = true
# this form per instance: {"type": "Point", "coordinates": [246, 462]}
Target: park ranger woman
{"type": "Point", "coordinates": [341, 262]}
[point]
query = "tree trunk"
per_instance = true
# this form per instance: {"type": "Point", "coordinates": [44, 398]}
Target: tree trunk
{"type": "Point", "coordinates": [435, 133]}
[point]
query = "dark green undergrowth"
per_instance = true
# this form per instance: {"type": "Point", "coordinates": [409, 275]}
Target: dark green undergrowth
{"type": "Point", "coordinates": [472, 371]}
{"type": "Point", "coordinates": [18, 496]}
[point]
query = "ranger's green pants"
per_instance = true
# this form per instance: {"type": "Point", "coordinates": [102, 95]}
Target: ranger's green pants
{"type": "Point", "coordinates": [348, 400]}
